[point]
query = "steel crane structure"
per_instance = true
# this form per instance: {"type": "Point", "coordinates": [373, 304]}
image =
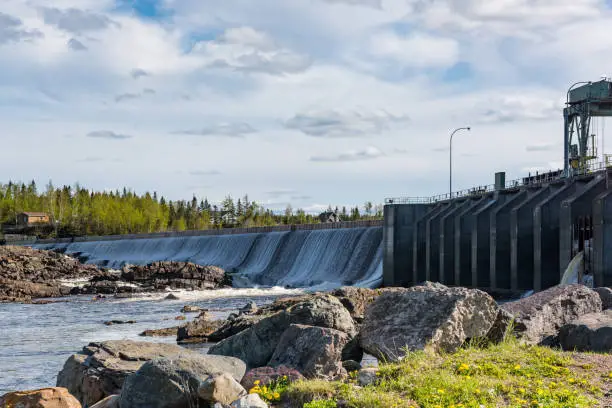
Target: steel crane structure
{"type": "Point", "coordinates": [591, 99]}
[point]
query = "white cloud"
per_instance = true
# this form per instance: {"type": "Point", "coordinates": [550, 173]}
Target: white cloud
{"type": "Point", "coordinates": [13, 30]}
{"type": "Point", "coordinates": [312, 79]}
{"type": "Point", "coordinates": [107, 134]}
{"type": "Point", "coordinates": [221, 129]}
{"type": "Point", "coordinates": [370, 152]}
{"type": "Point", "coordinates": [248, 50]}
{"type": "Point", "coordinates": [418, 50]}
{"type": "Point", "coordinates": [344, 124]}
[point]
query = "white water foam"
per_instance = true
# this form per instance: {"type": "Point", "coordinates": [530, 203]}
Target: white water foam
{"type": "Point", "coordinates": [318, 258]}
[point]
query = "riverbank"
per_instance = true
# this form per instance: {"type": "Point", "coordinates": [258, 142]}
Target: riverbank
{"type": "Point", "coordinates": [28, 274]}
{"type": "Point", "coordinates": [503, 375]}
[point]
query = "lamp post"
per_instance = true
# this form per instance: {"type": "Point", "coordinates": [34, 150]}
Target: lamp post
{"type": "Point", "coordinates": [450, 162]}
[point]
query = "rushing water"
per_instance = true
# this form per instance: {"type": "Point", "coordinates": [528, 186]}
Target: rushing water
{"type": "Point", "coordinates": [36, 340]}
{"type": "Point", "coordinates": [347, 256]}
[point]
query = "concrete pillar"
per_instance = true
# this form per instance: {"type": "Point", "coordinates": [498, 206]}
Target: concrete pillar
{"type": "Point", "coordinates": [481, 241]}
{"type": "Point", "coordinates": [578, 205]}
{"type": "Point", "coordinates": [433, 245]}
{"type": "Point", "coordinates": [602, 239]}
{"type": "Point", "coordinates": [521, 239]}
{"type": "Point", "coordinates": [398, 232]}
{"type": "Point", "coordinates": [500, 241]}
{"type": "Point", "coordinates": [546, 235]}
{"type": "Point", "coordinates": [419, 264]}
{"type": "Point", "coordinates": [447, 241]}
{"type": "Point", "coordinates": [463, 244]}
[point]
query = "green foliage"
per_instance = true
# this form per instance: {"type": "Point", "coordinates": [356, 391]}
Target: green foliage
{"type": "Point", "coordinates": [78, 211]}
{"type": "Point", "coordinates": [504, 375]}
{"type": "Point", "coordinates": [321, 404]}
{"type": "Point", "coordinates": [271, 392]}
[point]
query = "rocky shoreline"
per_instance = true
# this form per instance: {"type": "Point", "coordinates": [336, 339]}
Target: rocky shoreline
{"type": "Point", "coordinates": [27, 274]}
{"type": "Point", "coordinates": [261, 351]}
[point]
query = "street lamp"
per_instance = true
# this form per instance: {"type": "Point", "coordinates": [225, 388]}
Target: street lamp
{"type": "Point", "coordinates": [450, 162]}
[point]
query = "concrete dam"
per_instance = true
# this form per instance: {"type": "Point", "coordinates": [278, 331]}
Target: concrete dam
{"type": "Point", "coordinates": [297, 256]}
{"type": "Point", "coordinates": [506, 238]}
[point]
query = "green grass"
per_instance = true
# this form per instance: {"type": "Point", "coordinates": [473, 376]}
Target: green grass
{"type": "Point", "coordinates": [503, 375]}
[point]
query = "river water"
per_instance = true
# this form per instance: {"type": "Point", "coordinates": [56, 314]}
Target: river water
{"type": "Point", "coordinates": [36, 340]}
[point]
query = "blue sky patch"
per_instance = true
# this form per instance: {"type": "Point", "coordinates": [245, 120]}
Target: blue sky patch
{"type": "Point", "coordinates": [149, 9]}
{"type": "Point", "coordinates": [458, 72]}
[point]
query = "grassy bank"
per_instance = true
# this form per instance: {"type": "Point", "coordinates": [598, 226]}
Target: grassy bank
{"type": "Point", "coordinates": [504, 375]}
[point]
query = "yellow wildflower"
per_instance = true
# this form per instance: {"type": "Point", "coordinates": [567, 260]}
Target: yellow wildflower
{"type": "Point", "coordinates": [517, 367]}
{"type": "Point", "coordinates": [256, 382]}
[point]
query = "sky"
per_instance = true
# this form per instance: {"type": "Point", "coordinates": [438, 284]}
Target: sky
{"type": "Point", "coordinates": [307, 102]}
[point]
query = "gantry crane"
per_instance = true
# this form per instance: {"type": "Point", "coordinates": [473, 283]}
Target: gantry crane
{"type": "Point", "coordinates": [592, 99]}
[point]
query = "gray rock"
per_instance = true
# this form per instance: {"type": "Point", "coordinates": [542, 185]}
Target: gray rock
{"type": "Point", "coordinates": [249, 308]}
{"type": "Point", "coordinates": [174, 382]}
{"type": "Point", "coordinates": [172, 296]}
{"type": "Point", "coordinates": [250, 401]}
{"type": "Point", "coordinates": [592, 332]}
{"type": "Point", "coordinates": [606, 297]}
{"type": "Point", "coordinates": [222, 388]}
{"type": "Point", "coordinates": [267, 375]}
{"type": "Point", "coordinates": [100, 369]}
{"type": "Point", "coordinates": [424, 317]}
{"type": "Point", "coordinates": [190, 309]}
{"type": "Point", "coordinates": [539, 317]}
{"type": "Point", "coordinates": [256, 344]}
{"type": "Point", "coordinates": [502, 327]}
{"type": "Point", "coordinates": [108, 402]}
{"type": "Point", "coordinates": [234, 326]}
{"type": "Point", "coordinates": [198, 330]}
{"type": "Point", "coordinates": [313, 351]}
{"type": "Point", "coordinates": [367, 376]}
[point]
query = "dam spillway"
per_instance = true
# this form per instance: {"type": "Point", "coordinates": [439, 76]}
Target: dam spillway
{"type": "Point", "coordinates": [296, 257]}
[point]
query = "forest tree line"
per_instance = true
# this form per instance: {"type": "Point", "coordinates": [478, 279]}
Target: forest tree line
{"type": "Point", "coordinates": [77, 211]}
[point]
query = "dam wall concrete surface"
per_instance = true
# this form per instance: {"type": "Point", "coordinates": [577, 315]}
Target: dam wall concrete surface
{"type": "Point", "coordinates": [298, 256]}
{"type": "Point", "coordinates": [507, 240]}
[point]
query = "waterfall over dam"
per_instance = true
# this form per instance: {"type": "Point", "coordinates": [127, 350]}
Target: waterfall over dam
{"type": "Point", "coordinates": [296, 258]}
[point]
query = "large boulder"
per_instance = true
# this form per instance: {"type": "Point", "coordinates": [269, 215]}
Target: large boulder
{"type": "Point", "coordinates": [592, 332]}
{"type": "Point", "coordinates": [605, 294]}
{"type": "Point", "coordinates": [538, 318]}
{"type": "Point", "coordinates": [250, 401]}
{"type": "Point", "coordinates": [174, 382]}
{"type": "Point", "coordinates": [222, 388]}
{"type": "Point", "coordinates": [198, 330]}
{"type": "Point", "coordinates": [108, 402]}
{"type": "Point", "coordinates": [256, 345]}
{"type": "Point", "coordinates": [267, 375]}
{"type": "Point", "coordinates": [101, 368]}
{"type": "Point", "coordinates": [357, 300]}
{"type": "Point", "coordinates": [44, 398]}
{"type": "Point", "coordinates": [314, 351]}
{"type": "Point", "coordinates": [234, 326]}
{"type": "Point", "coordinates": [426, 317]}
